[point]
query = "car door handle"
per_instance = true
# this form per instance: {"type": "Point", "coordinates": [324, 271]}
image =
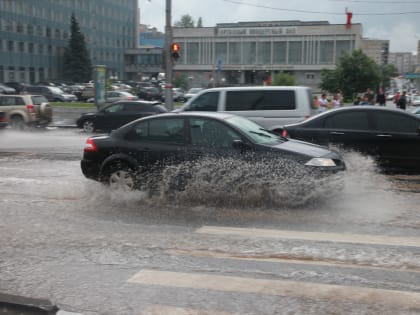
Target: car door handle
{"type": "Point", "coordinates": [384, 136]}
{"type": "Point", "coordinates": [336, 133]}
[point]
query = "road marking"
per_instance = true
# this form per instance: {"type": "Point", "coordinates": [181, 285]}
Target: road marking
{"type": "Point", "coordinates": [313, 236]}
{"type": "Point", "coordinates": [287, 259]}
{"type": "Point", "coordinates": [355, 294]}
{"type": "Point", "coordinates": [162, 309]}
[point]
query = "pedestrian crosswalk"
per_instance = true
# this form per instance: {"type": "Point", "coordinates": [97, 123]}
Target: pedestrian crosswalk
{"type": "Point", "coordinates": [256, 284]}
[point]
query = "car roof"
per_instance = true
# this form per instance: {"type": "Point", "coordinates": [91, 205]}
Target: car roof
{"type": "Point", "coordinates": [217, 115]}
{"type": "Point", "coordinates": [253, 88]}
{"type": "Point", "coordinates": [365, 108]}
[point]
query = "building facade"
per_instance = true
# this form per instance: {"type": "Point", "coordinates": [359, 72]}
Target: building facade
{"type": "Point", "coordinates": [249, 52]}
{"type": "Point", "coordinates": [376, 49]}
{"type": "Point", "coordinates": [34, 34]}
{"type": "Point", "coordinates": [404, 61]}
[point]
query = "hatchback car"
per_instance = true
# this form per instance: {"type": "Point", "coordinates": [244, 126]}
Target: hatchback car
{"type": "Point", "coordinates": [117, 114]}
{"type": "Point", "coordinates": [175, 138]}
{"type": "Point", "coordinates": [150, 94]}
{"type": "Point", "coordinates": [391, 136]}
{"type": "Point", "coordinates": [26, 110]}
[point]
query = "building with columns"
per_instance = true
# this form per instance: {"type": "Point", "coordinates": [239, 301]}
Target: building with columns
{"type": "Point", "coordinates": [248, 53]}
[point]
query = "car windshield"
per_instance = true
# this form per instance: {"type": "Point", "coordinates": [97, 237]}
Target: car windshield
{"type": "Point", "coordinates": [253, 130]}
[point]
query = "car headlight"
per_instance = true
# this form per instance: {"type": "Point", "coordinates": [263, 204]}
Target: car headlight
{"type": "Point", "coordinates": [321, 162]}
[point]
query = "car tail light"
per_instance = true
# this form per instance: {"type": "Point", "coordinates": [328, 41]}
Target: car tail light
{"type": "Point", "coordinates": [3, 119]}
{"type": "Point", "coordinates": [30, 108]}
{"type": "Point", "coordinates": [90, 146]}
{"type": "Point", "coordinates": [285, 134]}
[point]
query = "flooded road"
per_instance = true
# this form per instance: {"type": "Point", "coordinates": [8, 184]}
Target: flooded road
{"type": "Point", "coordinates": [352, 246]}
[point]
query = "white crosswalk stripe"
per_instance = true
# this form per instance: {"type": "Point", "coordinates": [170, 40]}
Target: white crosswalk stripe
{"type": "Point", "coordinates": [278, 288]}
{"type": "Point", "coordinates": [313, 236]}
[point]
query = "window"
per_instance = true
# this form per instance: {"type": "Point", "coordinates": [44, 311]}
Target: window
{"type": "Point", "coordinates": [21, 47]}
{"type": "Point", "coordinates": [114, 108]}
{"type": "Point", "coordinates": [250, 52]}
{"type": "Point", "coordinates": [326, 53]}
{"type": "Point", "coordinates": [352, 121]}
{"type": "Point", "coordinates": [211, 133]}
{"type": "Point", "coordinates": [206, 102]}
{"type": "Point", "coordinates": [395, 123]}
{"type": "Point", "coordinates": [10, 45]}
{"type": "Point", "coordinates": [264, 53]}
{"type": "Point", "coordinates": [221, 52]}
{"type": "Point", "coordinates": [295, 52]}
{"type": "Point", "coordinates": [260, 100]}
{"type": "Point", "coordinates": [234, 53]}
{"type": "Point", "coordinates": [279, 52]}
{"type": "Point", "coordinates": [168, 130]}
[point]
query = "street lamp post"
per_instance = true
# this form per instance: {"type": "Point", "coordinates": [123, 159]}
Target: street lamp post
{"type": "Point", "coordinates": [168, 57]}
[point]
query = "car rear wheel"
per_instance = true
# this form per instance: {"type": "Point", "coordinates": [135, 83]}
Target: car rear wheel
{"type": "Point", "coordinates": [89, 126]}
{"type": "Point", "coordinates": [121, 177]}
{"type": "Point", "coordinates": [17, 122]}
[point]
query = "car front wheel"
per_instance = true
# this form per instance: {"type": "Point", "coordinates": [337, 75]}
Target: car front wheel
{"type": "Point", "coordinates": [89, 126]}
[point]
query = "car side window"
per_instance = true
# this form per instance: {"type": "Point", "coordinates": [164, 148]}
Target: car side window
{"type": "Point", "coordinates": [207, 102]}
{"type": "Point", "coordinates": [348, 121]}
{"type": "Point", "coordinates": [211, 133]}
{"type": "Point", "coordinates": [394, 122]}
{"type": "Point", "coordinates": [167, 130]}
{"type": "Point", "coordinates": [134, 107]}
{"type": "Point", "coordinates": [260, 100]}
{"type": "Point", "coordinates": [114, 108]}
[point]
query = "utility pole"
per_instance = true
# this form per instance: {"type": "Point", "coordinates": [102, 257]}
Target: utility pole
{"type": "Point", "coordinates": [168, 57]}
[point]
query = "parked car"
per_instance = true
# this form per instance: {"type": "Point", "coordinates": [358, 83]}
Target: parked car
{"type": "Point", "coordinates": [3, 120]}
{"type": "Point", "coordinates": [4, 89]}
{"type": "Point", "coordinates": [19, 87]}
{"type": "Point", "coordinates": [179, 137]}
{"type": "Point", "coordinates": [391, 136]}
{"type": "Point", "coordinates": [178, 94]}
{"type": "Point", "coordinates": [415, 100]}
{"type": "Point", "coordinates": [118, 114]}
{"type": "Point", "coordinates": [191, 93]}
{"type": "Point", "coordinates": [26, 110]}
{"type": "Point", "coordinates": [115, 96]}
{"type": "Point", "coordinates": [150, 94]}
{"type": "Point", "coordinates": [51, 93]}
{"type": "Point", "coordinates": [271, 107]}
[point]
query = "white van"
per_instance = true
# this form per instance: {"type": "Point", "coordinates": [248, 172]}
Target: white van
{"type": "Point", "coordinates": [271, 107]}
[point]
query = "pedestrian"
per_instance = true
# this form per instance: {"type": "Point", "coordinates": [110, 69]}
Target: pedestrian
{"type": "Point", "coordinates": [380, 97]}
{"type": "Point", "coordinates": [396, 98]}
{"type": "Point", "coordinates": [365, 100]}
{"type": "Point", "coordinates": [402, 101]}
{"type": "Point", "coordinates": [370, 95]}
{"type": "Point", "coordinates": [357, 101]}
{"type": "Point", "coordinates": [336, 101]}
{"type": "Point", "coordinates": [316, 102]}
{"type": "Point", "coordinates": [323, 103]}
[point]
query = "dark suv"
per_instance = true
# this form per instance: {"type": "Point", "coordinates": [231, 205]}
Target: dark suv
{"type": "Point", "coordinates": [26, 110]}
{"type": "Point", "coordinates": [52, 93]}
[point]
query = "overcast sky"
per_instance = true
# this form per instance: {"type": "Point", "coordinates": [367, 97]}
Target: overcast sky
{"type": "Point", "coordinates": [396, 20]}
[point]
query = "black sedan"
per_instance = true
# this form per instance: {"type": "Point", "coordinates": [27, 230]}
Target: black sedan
{"type": "Point", "coordinates": [118, 114]}
{"type": "Point", "coordinates": [121, 158]}
{"type": "Point", "coordinates": [391, 136]}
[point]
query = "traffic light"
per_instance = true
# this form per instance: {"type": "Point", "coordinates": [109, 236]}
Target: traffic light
{"type": "Point", "coordinates": [175, 51]}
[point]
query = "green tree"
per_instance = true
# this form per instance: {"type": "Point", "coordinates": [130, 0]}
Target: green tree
{"type": "Point", "coordinates": [200, 22]}
{"type": "Point", "coordinates": [354, 74]}
{"type": "Point", "coordinates": [283, 78]}
{"type": "Point", "coordinates": [180, 80]}
{"type": "Point", "coordinates": [77, 64]}
{"type": "Point", "coordinates": [185, 21]}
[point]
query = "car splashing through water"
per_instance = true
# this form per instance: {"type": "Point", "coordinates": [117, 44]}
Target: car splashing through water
{"type": "Point", "coordinates": [227, 182]}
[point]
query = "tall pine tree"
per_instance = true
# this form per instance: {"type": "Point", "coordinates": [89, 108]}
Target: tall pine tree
{"type": "Point", "coordinates": [77, 64]}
